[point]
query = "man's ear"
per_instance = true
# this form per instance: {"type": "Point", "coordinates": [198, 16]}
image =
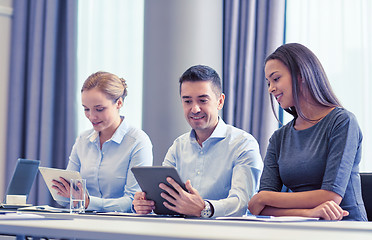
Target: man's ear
{"type": "Point", "coordinates": [221, 101]}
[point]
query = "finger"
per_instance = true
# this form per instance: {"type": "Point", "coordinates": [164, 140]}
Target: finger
{"type": "Point", "coordinates": [64, 181]}
{"type": "Point", "coordinates": [170, 207]}
{"type": "Point", "coordinates": [176, 186]}
{"type": "Point", "coordinates": [56, 187]}
{"type": "Point", "coordinates": [58, 184]}
{"type": "Point", "coordinates": [139, 196]}
{"type": "Point", "coordinates": [345, 213]}
{"type": "Point", "coordinates": [169, 190]}
{"type": "Point", "coordinates": [189, 188]}
{"type": "Point", "coordinates": [324, 214]}
{"type": "Point", "coordinates": [168, 198]}
{"type": "Point", "coordinates": [336, 210]}
{"type": "Point", "coordinates": [144, 209]}
{"type": "Point", "coordinates": [339, 211]}
{"type": "Point", "coordinates": [331, 212]}
{"type": "Point", "coordinates": [143, 203]}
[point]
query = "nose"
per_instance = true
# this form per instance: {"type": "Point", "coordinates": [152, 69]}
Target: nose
{"type": "Point", "coordinates": [195, 108]}
{"type": "Point", "coordinates": [271, 88]}
{"type": "Point", "coordinates": [90, 115]}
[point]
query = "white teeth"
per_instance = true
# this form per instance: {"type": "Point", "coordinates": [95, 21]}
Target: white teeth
{"type": "Point", "coordinates": [279, 96]}
{"type": "Point", "coordinates": [196, 118]}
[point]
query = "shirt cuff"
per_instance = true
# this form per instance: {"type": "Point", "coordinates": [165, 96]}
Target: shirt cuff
{"type": "Point", "coordinates": [95, 203]}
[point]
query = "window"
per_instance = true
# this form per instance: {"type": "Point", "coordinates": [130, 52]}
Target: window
{"type": "Point", "coordinates": [110, 38]}
{"type": "Point", "coordinates": [340, 34]}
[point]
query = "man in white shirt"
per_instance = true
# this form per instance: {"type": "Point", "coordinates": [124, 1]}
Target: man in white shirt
{"type": "Point", "coordinates": [222, 162]}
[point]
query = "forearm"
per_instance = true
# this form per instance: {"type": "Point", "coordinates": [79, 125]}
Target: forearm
{"type": "Point", "coordinates": [271, 211]}
{"type": "Point", "coordinates": [328, 210]}
{"type": "Point", "coordinates": [298, 200]}
{"type": "Point", "coordinates": [229, 207]}
{"type": "Point", "coordinates": [122, 204]}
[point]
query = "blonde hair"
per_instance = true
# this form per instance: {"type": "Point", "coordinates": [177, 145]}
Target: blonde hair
{"type": "Point", "coordinates": [110, 84]}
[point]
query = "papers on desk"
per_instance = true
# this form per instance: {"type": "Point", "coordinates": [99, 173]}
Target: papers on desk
{"type": "Point", "coordinates": [269, 218]}
{"type": "Point", "coordinates": [139, 215]}
{"type": "Point", "coordinates": [44, 208]}
{"type": "Point", "coordinates": [19, 216]}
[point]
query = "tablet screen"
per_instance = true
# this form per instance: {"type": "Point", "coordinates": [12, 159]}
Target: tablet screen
{"type": "Point", "coordinates": [149, 179]}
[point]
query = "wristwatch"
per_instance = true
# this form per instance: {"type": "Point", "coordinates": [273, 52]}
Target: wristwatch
{"type": "Point", "coordinates": [208, 210]}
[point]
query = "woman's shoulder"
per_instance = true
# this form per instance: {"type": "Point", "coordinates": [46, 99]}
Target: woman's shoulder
{"type": "Point", "coordinates": [339, 115]}
{"type": "Point", "coordinates": [137, 133]}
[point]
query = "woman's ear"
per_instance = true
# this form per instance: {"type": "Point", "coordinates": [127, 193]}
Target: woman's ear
{"type": "Point", "coordinates": [119, 103]}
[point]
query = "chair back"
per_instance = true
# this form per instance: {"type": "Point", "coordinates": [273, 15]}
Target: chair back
{"type": "Point", "coordinates": [366, 182]}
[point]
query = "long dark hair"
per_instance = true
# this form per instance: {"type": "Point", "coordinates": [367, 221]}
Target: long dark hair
{"type": "Point", "coordinates": [302, 63]}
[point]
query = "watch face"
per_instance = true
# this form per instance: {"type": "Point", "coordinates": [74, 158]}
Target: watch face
{"type": "Point", "coordinates": [206, 212]}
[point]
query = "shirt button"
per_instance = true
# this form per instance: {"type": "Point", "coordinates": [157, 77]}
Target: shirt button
{"type": "Point", "coordinates": [198, 172]}
{"type": "Point", "coordinates": [201, 152]}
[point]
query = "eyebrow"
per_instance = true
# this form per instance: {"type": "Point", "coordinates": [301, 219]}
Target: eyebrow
{"type": "Point", "coordinates": [273, 73]}
{"type": "Point", "coordinates": [99, 105]}
{"type": "Point", "coordinates": [201, 96]}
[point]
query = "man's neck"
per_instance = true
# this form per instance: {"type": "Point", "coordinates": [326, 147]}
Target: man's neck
{"type": "Point", "coordinates": [202, 135]}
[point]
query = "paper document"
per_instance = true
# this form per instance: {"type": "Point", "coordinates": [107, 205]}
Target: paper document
{"type": "Point", "coordinates": [44, 208]}
{"type": "Point", "coordinates": [269, 218]}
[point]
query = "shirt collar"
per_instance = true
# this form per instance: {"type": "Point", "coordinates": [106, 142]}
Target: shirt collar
{"type": "Point", "coordinates": [219, 131]}
{"type": "Point", "coordinates": [118, 134]}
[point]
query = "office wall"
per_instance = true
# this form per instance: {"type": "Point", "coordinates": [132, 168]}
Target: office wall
{"type": "Point", "coordinates": [178, 34]}
{"type": "Point", "coordinates": [5, 24]}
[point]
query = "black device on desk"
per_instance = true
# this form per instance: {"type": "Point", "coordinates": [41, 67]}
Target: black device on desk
{"type": "Point", "coordinates": [23, 177]}
{"type": "Point", "coordinates": [149, 179]}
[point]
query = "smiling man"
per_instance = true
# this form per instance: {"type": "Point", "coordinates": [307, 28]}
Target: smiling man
{"type": "Point", "coordinates": [222, 164]}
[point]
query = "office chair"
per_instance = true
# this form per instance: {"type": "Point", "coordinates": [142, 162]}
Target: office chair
{"type": "Point", "coordinates": [366, 181]}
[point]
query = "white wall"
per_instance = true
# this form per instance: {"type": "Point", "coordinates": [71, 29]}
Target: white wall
{"type": "Point", "coordinates": [178, 34]}
{"type": "Point", "coordinates": [6, 12]}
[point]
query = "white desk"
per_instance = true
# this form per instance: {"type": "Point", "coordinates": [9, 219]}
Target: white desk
{"type": "Point", "coordinates": [107, 227]}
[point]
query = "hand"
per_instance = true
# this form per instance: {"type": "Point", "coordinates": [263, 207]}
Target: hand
{"type": "Point", "coordinates": [328, 211]}
{"type": "Point", "coordinates": [256, 204]}
{"type": "Point", "coordinates": [189, 203]}
{"type": "Point", "coordinates": [141, 205]}
{"type": "Point", "coordinates": [62, 186]}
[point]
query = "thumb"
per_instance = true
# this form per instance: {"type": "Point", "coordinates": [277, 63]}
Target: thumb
{"type": "Point", "coordinates": [345, 213]}
{"type": "Point", "coordinates": [189, 187]}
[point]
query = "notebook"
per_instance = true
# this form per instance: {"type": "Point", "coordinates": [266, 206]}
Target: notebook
{"type": "Point", "coordinates": [23, 177]}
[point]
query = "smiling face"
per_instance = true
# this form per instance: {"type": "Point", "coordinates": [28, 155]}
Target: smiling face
{"type": "Point", "coordinates": [279, 80]}
{"type": "Point", "coordinates": [102, 112]}
{"type": "Point", "coordinates": [200, 106]}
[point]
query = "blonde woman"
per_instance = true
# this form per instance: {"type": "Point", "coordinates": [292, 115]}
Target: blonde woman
{"type": "Point", "coordinates": [105, 154]}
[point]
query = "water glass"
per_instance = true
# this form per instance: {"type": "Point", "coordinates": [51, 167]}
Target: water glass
{"type": "Point", "coordinates": [77, 195]}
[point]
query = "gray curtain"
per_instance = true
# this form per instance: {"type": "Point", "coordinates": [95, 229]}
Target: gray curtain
{"type": "Point", "coordinates": [252, 30]}
{"type": "Point", "coordinates": [41, 108]}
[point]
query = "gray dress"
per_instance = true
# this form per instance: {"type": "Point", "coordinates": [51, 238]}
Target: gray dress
{"type": "Point", "coordinates": [324, 156]}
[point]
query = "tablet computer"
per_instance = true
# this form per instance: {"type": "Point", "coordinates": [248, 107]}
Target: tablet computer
{"type": "Point", "coordinates": [50, 174]}
{"type": "Point", "coordinates": [149, 179]}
